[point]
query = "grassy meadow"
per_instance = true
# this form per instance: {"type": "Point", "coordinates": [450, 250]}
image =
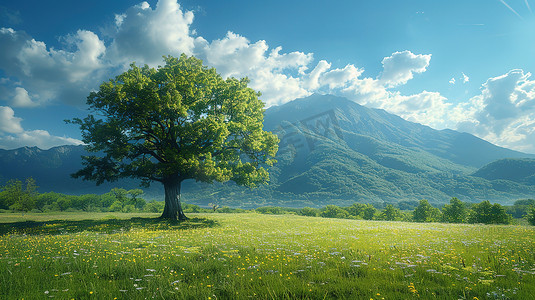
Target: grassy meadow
{"type": "Point", "coordinates": [253, 256]}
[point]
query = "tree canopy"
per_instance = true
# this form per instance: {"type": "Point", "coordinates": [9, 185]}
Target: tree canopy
{"type": "Point", "coordinates": [425, 212]}
{"type": "Point", "coordinates": [177, 122]}
{"type": "Point", "coordinates": [455, 212]}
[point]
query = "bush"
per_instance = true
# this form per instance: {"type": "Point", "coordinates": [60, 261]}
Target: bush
{"type": "Point", "coordinates": [270, 210]}
{"type": "Point", "coordinates": [455, 212]}
{"type": "Point", "coordinates": [190, 208]}
{"type": "Point", "coordinates": [424, 212]}
{"type": "Point", "coordinates": [487, 213]}
{"type": "Point", "coordinates": [531, 215]}
{"type": "Point", "coordinates": [129, 208]}
{"type": "Point", "coordinates": [154, 207]}
{"type": "Point", "coordinates": [309, 212]}
{"type": "Point", "coordinates": [116, 206]}
{"type": "Point", "coordinates": [390, 213]}
{"type": "Point", "coordinates": [369, 212]}
{"type": "Point", "coordinates": [333, 211]}
{"type": "Point", "coordinates": [224, 210]}
{"type": "Point", "coordinates": [356, 209]}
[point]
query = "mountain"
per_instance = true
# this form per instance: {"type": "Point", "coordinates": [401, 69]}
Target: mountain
{"type": "Point", "coordinates": [356, 120]}
{"type": "Point", "coordinates": [51, 169]}
{"type": "Point", "coordinates": [332, 151]}
{"type": "Point", "coordinates": [517, 170]}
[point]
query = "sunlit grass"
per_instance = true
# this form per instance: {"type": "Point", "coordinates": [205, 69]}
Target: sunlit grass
{"type": "Point", "coordinates": [242, 256]}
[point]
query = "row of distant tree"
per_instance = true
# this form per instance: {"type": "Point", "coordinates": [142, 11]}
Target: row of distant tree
{"type": "Point", "coordinates": [23, 196]}
{"type": "Point", "coordinates": [454, 212]}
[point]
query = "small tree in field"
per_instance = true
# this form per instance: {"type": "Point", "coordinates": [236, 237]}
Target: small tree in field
{"type": "Point", "coordinates": [177, 122]}
{"type": "Point", "coordinates": [390, 213]}
{"type": "Point", "coordinates": [455, 212]}
{"type": "Point", "coordinates": [425, 212]}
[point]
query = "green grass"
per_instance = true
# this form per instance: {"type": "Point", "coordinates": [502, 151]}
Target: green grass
{"type": "Point", "coordinates": [244, 256]}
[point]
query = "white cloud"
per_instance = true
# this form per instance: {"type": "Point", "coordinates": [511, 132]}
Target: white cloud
{"type": "Point", "coordinates": [8, 122]}
{"type": "Point", "coordinates": [35, 138]}
{"type": "Point", "coordinates": [36, 74]}
{"type": "Point", "coordinates": [429, 108]}
{"type": "Point", "coordinates": [465, 78]}
{"type": "Point", "coordinates": [504, 112]}
{"type": "Point", "coordinates": [236, 56]}
{"type": "Point", "coordinates": [338, 78]}
{"type": "Point", "coordinates": [312, 81]}
{"type": "Point", "coordinates": [400, 67]}
{"type": "Point", "coordinates": [22, 98]}
{"type": "Point", "coordinates": [144, 35]}
{"type": "Point", "coordinates": [12, 135]}
{"type": "Point", "coordinates": [52, 74]}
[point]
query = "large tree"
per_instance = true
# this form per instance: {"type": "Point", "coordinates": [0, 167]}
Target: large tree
{"type": "Point", "coordinates": [176, 122]}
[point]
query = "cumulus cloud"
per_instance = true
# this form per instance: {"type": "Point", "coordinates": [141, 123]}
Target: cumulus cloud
{"type": "Point", "coordinates": [22, 98]}
{"type": "Point", "coordinates": [401, 66]}
{"type": "Point", "coordinates": [429, 108]}
{"type": "Point", "coordinates": [338, 78]}
{"type": "Point", "coordinates": [234, 55]}
{"type": "Point", "coordinates": [36, 74]}
{"type": "Point", "coordinates": [143, 34]}
{"type": "Point", "coordinates": [312, 81]}
{"type": "Point", "coordinates": [8, 122]}
{"type": "Point", "coordinates": [48, 73]}
{"type": "Point", "coordinates": [504, 112]}
{"type": "Point", "coordinates": [12, 134]}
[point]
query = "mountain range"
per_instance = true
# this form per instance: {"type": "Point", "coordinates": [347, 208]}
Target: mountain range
{"type": "Point", "coordinates": [332, 151]}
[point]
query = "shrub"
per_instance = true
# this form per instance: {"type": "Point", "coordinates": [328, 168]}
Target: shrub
{"type": "Point", "coordinates": [270, 210]}
{"type": "Point", "coordinates": [531, 215]}
{"type": "Point", "coordinates": [424, 212]}
{"type": "Point", "coordinates": [224, 209]}
{"type": "Point", "coordinates": [487, 213]}
{"type": "Point", "coordinates": [129, 208]}
{"type": "Point", "coordinates": [116, 206]}
{"type": "Point", "coordinates": [390, 213]}
{"type": "Point", "coordinates": [455, 212]}
{"type": "Point", "coordinates": [333, 211]}
{"type": "Point", "coordinates": [154, 207]}
{"type": "Point", "coordinates": [369, 212]}
{"type": "Point", "coordinates": [190, 208]}
{"type": "Point", "coordinates": [309, 212]}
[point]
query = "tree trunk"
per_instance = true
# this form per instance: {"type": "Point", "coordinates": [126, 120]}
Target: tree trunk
{"type": "Point", "coordinates": [173, 208]}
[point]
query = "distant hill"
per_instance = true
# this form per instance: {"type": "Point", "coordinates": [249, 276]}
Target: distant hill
{"type": "Point", "coordinates": [517, 170]}
{"type": "Point", "coordinates": [51, 169]}
{"type": "Point", "coordinates": [332, 151]}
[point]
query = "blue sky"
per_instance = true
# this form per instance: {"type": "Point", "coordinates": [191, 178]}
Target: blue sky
{"type": "Point", "coordinates": [464, 65]}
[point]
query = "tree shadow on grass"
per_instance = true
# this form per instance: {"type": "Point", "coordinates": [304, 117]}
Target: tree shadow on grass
{"type": "Point", "coordinates": [108, 225]}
